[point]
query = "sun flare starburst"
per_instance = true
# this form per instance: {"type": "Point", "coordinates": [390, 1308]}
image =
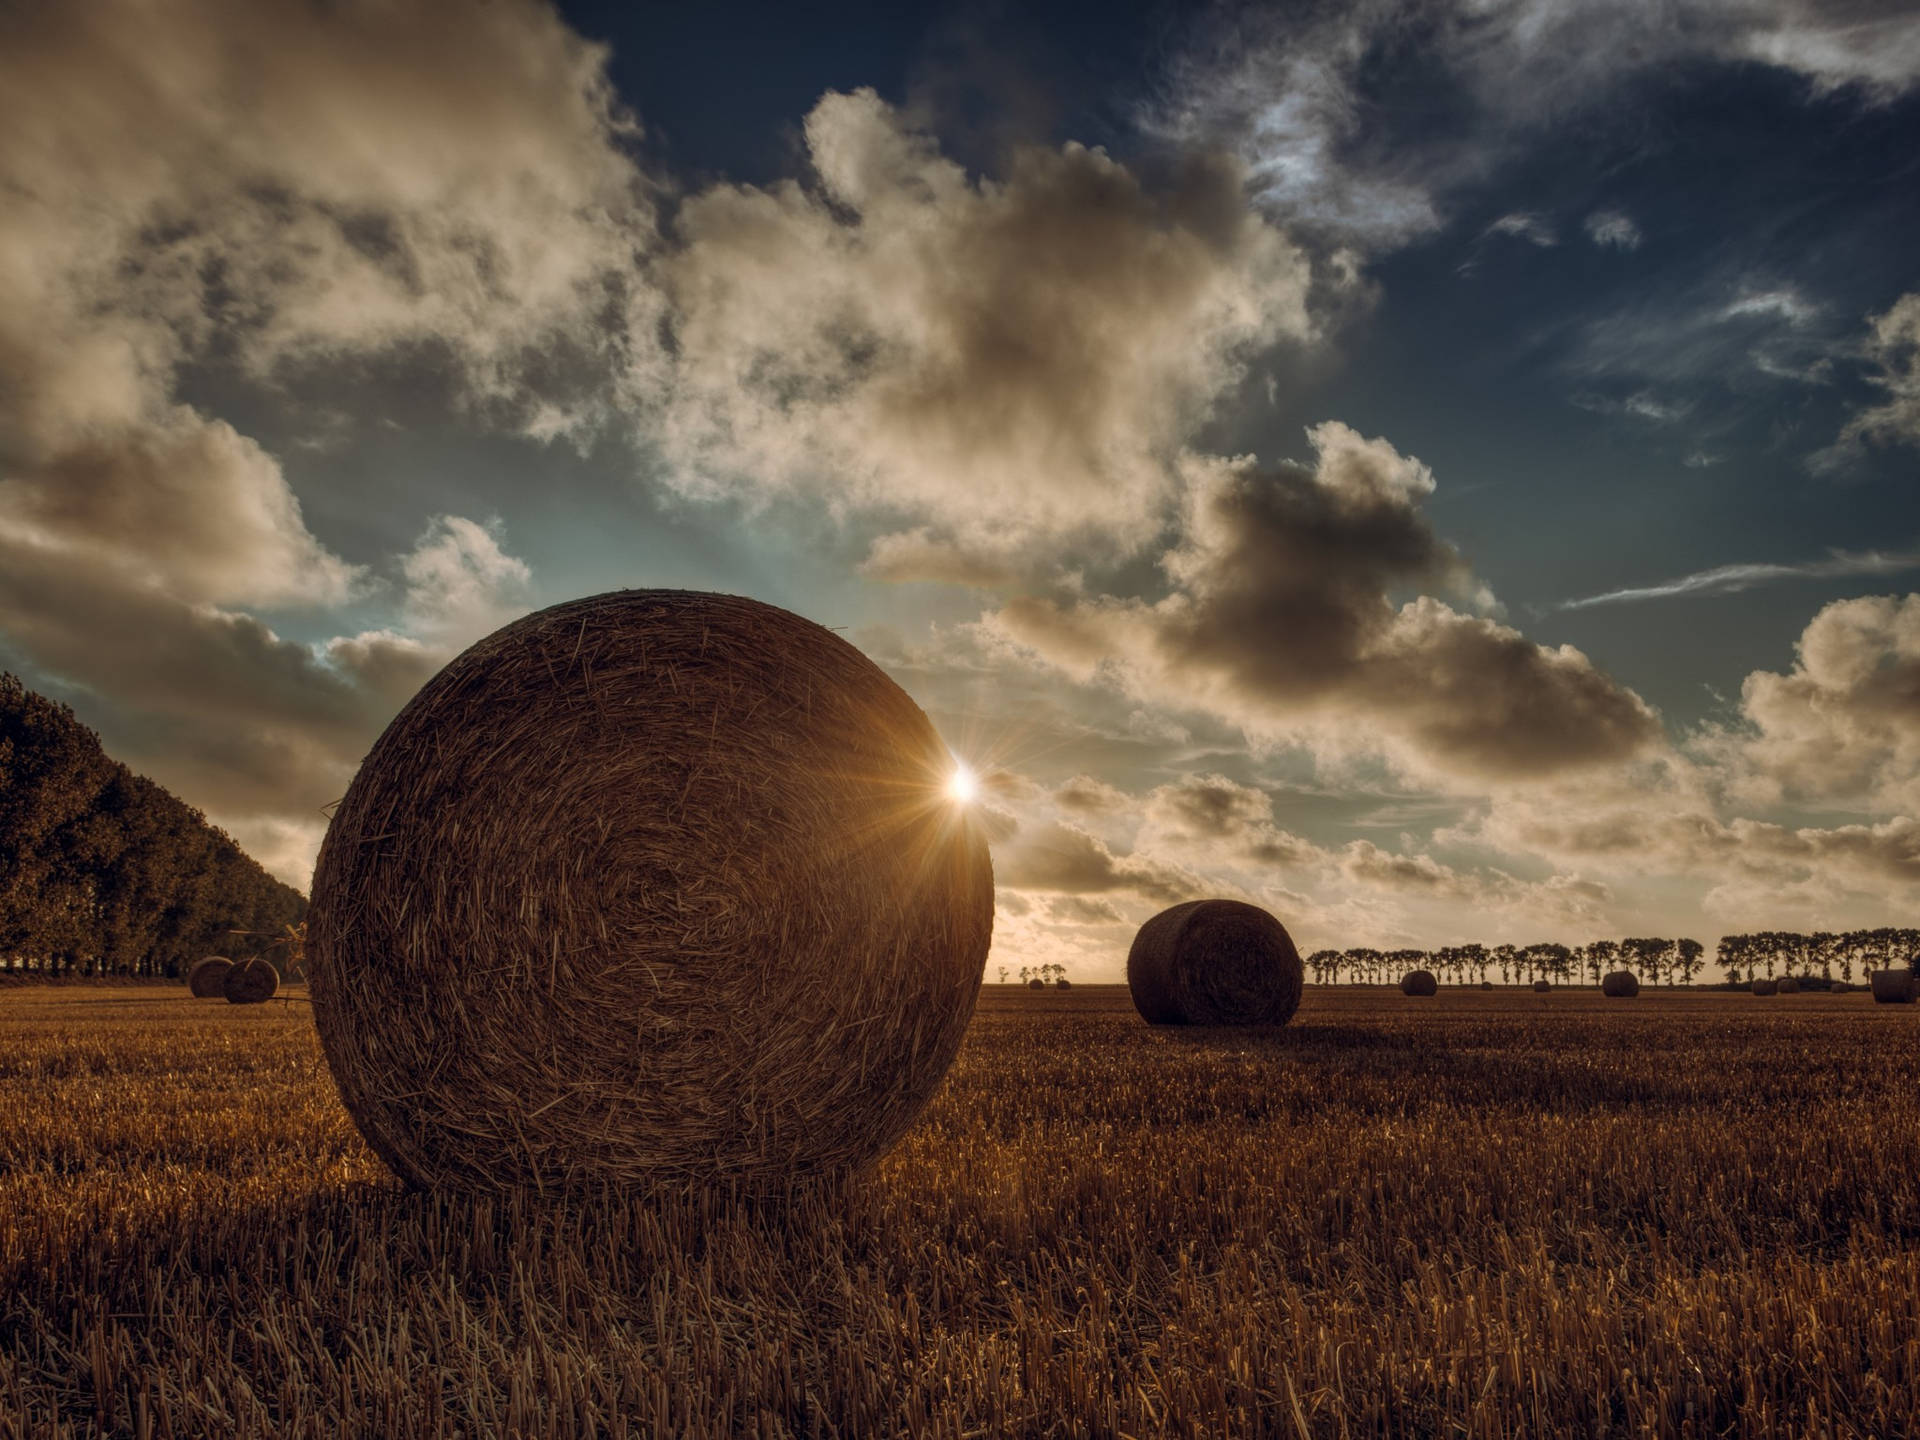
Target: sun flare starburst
{"type": "Point", "coordinates": [962, 786]}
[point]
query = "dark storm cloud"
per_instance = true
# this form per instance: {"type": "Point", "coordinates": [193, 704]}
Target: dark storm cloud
{"type": "Point", "coordinates": [1282, 619]}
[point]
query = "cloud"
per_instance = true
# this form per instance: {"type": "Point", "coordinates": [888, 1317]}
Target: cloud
{"type": "Point", "coordinates": [1061, 857]}
{"type": "Point", "coordinates": [1525, 225]}
{"type": "Point", "coordinates": [1730, 579]}
{"type": "Point", "coordinates": [1281, 620]}
{"type": "Point", "coordinates": [1893, 347]}
{"type": "Point", "coordinates": [1344, 138]}
{"type": "Point", "coordinates": [1843, 725]}
{"type": "Point", "coordinates": [1612, 229]}
{"type": "Point", "coordinates": [1089, 795]}
{"type": "Point", "coordinates": [1006, 365]}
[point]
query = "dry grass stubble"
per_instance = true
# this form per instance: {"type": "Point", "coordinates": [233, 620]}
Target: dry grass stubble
{"type": "Point", "coordinates": [1696, 1215]}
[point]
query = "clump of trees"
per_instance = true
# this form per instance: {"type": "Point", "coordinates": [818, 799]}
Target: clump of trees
{"type": "Point", "coordinates": [1765, 953]}
{"type": "Point", "coordinates": [1040, 974]}
{"type": "Point", "coordinates": [1655, 961]}
{"type": "Point", "coordinates": [104, 872]}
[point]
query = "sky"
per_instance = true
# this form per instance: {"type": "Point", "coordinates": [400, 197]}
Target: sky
{"type": "Point", "coordinates": [1441, 471]}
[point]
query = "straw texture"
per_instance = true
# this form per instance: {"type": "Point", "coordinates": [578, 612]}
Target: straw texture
{"type": "Point", "coordinates": [250, 982]}
{"type": "Point", "coordinates": [1892, 987]}
{"type": "Point", "coordinates": [208, 977]}
{"type": "Point", "coordinates": [1621, 985]}
{"type": "Point", "coordinates": [651, 887]}
{"type": "Point", "coordinates": [1214, 962]}
{"type": "Point", "coordinates": [1419, 982]}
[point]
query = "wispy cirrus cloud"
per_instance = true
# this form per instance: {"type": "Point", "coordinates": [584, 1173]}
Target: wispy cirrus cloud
{"type": "Point", "coordinates": [1728, 579]}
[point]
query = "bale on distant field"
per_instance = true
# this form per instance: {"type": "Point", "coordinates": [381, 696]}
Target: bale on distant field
{"type": "Point", "coordinates": [1214, 962]}
{"type": "Point", "coordinates": [1063, 983]}
{"type": "Point", "coordinates": [1763, 986]}
{"type": "Point", "coordinates": [1541, 987]}
{"type": "Point", "coordinates": [649, 888]}
{"type": "Point", "coordinates": [208, 977]}
{"type": "Point", "coordinates": [252, 981]}
{"type": "Point", "coordinates": [1486, 984]}
{"type": "Point", "coordinates": [1620, 985]}
{"type": "Point", "coordinates": [1892, 987]}
{"type": "Point", "coordinates": [1036, 984]}
{"type": "Point", "coordinates": [1789, 985]}
{"type": "Point", "coordinates": [1839, 987]}
{"type": "Point", "coordinates": [1419, 982]}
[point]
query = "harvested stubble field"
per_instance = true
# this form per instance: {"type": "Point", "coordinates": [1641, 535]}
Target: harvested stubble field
{"type": "Point", "coordinates": [1483, 1214]}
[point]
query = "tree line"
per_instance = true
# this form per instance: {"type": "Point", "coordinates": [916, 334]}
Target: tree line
{"type": "Point", "coordinates": [1656, 961]}
{"type": "Point", "coordinates": [104, 872]}
{"type": "Point", "coordinates": [1824, 952]}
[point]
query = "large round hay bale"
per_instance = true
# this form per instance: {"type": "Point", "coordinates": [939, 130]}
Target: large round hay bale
{"type": "Point", "coordinates": [1789, 985]}
{"type": "Point", "coordinates": [208, 977]}
{"type": "Point", "coordinates": [1063, 983]}
{"type": "Point", "coordinates": [250, 982]}
{"type": "Point", "coordinates": [1892, 987]}
{"type": "Point", "coordinates": [1036, 984]}
{"type": "Point", "coordinates": [1214, 962]}
{"type": "Point", "coordinates": [1764, 986]}
{"type": "Point", "coordinates": [649, 888]}
{"type": "Point", "coordinates": [1419, 982]}
{"type": "Point", "coordinates": [1541, 987]}
{"type": "Point", "coordinates": [1839, 987]}
{"type": "Point", "coordinates": [1620, 985]}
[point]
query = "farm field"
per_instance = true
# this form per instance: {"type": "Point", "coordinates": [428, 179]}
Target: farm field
{"type": "Point", "coordinates": [1483, 1214]}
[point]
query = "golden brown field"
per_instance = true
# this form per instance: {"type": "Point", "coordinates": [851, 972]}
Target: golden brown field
{"type": "Point", "coordinates": [1478, 1215]}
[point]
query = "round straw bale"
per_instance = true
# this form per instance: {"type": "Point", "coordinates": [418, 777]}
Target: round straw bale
{"type": "Point", "coordinates": [1620, 985]}
{"type": "Point", "coordinates": [1036, 984]}
{"type": "Point", "coordinates": [1764, 986]}
{"type": "Point", "coordinates": [1789, 985]}
{"type": "Point", "coordinates": [252, 981]}
{"type": "Point", "coordinates": [1892, 987]}
{"type": "Point", "coordinates": [1214, 962]}
{"type": "Point", "coordinates": [1541, 987]}
{"type": "Point", "coordinates": [1419, 982]}
{"type": "Point", "coordinates": [1063, 983]}
{"type": "Point", "coordinates": [649, 888]}
{"type": "Point", "coordinates": [1839, 987]}
{"type": "Point", "coordinates": [207, 979]}
{"type": "Point", "coordinates": [1486, 984]}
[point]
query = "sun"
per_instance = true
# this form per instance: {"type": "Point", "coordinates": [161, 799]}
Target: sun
{"type": "Point", "coordinates": [961, 785]}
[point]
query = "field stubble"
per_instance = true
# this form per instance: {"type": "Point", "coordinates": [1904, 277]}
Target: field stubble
{"type": "Point", "coordinates": [1481, 1215]}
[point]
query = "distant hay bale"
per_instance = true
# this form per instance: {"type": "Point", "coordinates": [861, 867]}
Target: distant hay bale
{"type": "Point", "coordinates": [1214, 962]}
{"type": "Point", "coordinates": [252, 981]}
{"type": "Point", "coordinates": [1789, 985]}
{"type": "Point", "coordinates": [1541, 987]}
{"type": "Point", "coordinates": [1620, 985]}
{"type": "Point", "coordinates": [208, 977]}
{"type": "Point", "coordinates": [1486, 984]}
{"type": "Point", "coordinates": [1419, 982]}
{"type": "Point", "coordinates": [1063, 983]}
{"type": "Point", "coordinates": [1839, 987]}
{"type": "Point", "coordinates": [648, 889]}
{"type": "Point", "coordinates": [1764, 986]}
{"type": "Point", "coordinates": [1036, 984]}
{"type": "Point", "coordinates": [1892, 987]}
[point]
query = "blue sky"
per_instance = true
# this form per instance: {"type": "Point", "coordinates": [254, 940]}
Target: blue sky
{"type": "Point", "coordinates": [1443, 471]}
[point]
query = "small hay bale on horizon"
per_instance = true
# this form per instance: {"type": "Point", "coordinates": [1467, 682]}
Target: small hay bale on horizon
{"type": "Point", "coordinates": [1419, 983]}
{"type": "Point", "coordinates": [1541, 987]}
{"type": "Point", "coordinates": [207, 979]}
{"type": "Point", "coordinates": [1764, 985]}
{"type": "Point", "coordinates": [1214, 962]}
{"type": "Point", "coordinates": [252, 981]}
{"type": "Point", "coordinates": [1620, 985]}
{"type": "Point", "coordinates": [1892, 987]}
{"type": "Point", "coordinates": [651, 889]}
{"type": "Point", "coordinates": [1789, 985]}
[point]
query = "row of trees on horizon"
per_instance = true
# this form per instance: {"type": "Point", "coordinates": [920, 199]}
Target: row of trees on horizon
{"type": "Point", "coordinates": [1828, 955]}
{"type": "Point", "coordinates": [104, 872]}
